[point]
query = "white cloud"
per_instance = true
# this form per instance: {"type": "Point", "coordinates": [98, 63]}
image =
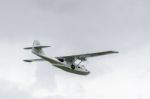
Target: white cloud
{"type": "Point", "coordinates": [75, 27]}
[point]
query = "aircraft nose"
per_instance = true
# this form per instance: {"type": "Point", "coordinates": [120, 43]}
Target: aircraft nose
{"type": "Point", "coordinates": [88, 72]}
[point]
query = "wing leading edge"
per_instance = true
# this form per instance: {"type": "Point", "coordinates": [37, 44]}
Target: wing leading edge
{"type": "Point", "coordinates": [90, 54]}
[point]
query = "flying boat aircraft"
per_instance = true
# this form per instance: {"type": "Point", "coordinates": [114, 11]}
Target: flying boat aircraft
{"type": "Point", "coordinates": [66, 63]}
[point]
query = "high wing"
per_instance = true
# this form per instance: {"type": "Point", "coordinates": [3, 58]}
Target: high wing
{"type": "Point", "coordinates": [84, 56]}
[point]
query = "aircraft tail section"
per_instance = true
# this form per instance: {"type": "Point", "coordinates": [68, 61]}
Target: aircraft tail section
{"type": "Point", "coordinates": [32, 60]}
{"type": "Point", "coordinates": [37, 48]}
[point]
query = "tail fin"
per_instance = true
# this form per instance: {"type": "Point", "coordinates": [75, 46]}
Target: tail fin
{"type": "Point", "coordinates": [37, 48]}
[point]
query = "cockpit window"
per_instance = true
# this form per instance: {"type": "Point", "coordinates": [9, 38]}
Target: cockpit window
{"type": "Point", "coordinates": [73, 66]}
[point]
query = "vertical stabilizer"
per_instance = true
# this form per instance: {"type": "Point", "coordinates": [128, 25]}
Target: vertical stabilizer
{"type": "Point", "coordinates": [37, 48]}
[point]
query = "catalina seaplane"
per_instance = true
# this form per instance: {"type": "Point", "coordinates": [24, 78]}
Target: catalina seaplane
{"type": "Point", "coordinates": [66, 63]}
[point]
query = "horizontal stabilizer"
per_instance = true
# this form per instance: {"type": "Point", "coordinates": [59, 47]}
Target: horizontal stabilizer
{"type": "Point", "coordinates": [32, 60]}
{"type": "Point", "coordinates": [37, 47]}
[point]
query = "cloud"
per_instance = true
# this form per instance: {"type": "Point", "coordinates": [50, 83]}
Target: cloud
{"type": "Point", "coordinates": [74, 27]}
{"type": "Point", "coordinates": [10, 90]}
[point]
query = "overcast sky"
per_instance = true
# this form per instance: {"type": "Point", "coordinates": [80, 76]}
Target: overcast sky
{"type": "Point", "coordinates": [74, 27]}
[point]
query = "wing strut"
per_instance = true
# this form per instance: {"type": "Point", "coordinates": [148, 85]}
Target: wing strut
{"type": "Point", "coordinates": [79, 63]}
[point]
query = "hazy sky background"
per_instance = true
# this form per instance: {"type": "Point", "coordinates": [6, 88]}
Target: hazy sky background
{"type": "Point", "coordinates": [74, 27]}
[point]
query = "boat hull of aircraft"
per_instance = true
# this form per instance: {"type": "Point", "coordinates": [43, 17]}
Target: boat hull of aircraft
{"type": "Point", "coordinates": [63, 66]}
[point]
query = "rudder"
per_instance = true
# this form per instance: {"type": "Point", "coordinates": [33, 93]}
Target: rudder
{"type": "Point", "coordinates": [37, 48]}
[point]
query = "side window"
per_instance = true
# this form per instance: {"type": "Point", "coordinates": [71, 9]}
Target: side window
{"type": "Point", "coordinates": [73, 66]}
{"type": "Point", "coordinates": [61, 60]}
